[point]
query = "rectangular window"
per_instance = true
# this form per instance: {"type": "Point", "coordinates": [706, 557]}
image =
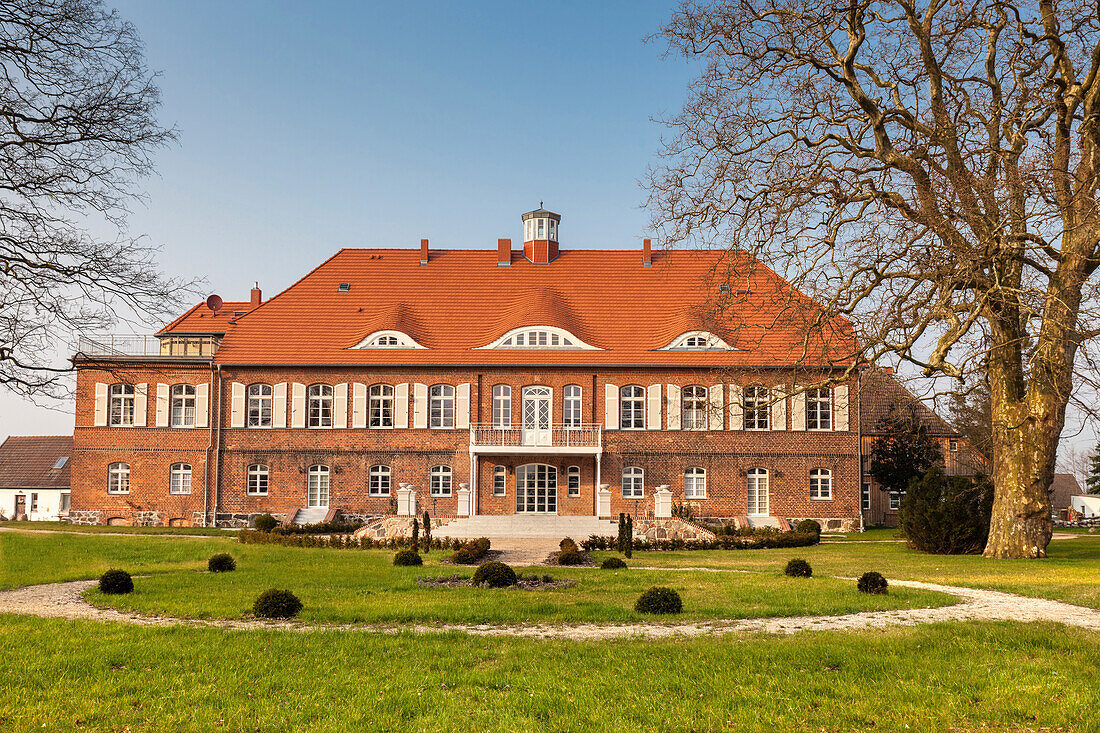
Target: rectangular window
{"type": "Point", "coordinates": [379, 483]}
{"type": "Point", "coordinates": [122, 404]}
{"type": "Point", "coordinates": [441, 481]}
{"type": "Point", "coordinates": [693, 413]}
{"type": "Point", "coordinates": [821, 484]}
{"type": "Point", "coordinates": [320, 406]}
{"type": "Point", "coordinates": [179, 481]}
{"type": "Point", "coordinates": [499, 481]}
{"type": "Point", "coordinates": [34, 502]}
{"type": "Point", "coordinates": [865, 496]}
{"type": "Point", "coordinates": [953, 446]}
{"type": "Point", "coordinates": [259, 405]}
{"type": "Point", "coordinates": [258, 479]}
{"type": "Point", "coordinates": [632, 408]}
{"type": "Point", "coordinates": [442, 406]}
{"type": "Point", "coordinates": [63, 506]}
{"type": "Point", "coordinates": [632, 483]}
{"type": "Point", "coordinates": [571, 412]}
{"type": "Point", "coordinates": [819, 409]}
{"type": "Point", "coordinates": [502, 406]}
{"type": "Point", "coordinates": [182, 406]}
{"type": "Point", "coordinates": [695, 483]}
{"type": "Point", "coordinates": [381, 406]}
{"type": "Point", "coordinates": [756, 408]}
{"type": "Point", "coordinates": [573, 481]}
{"type": "Point", "coordinates": [895, 502]}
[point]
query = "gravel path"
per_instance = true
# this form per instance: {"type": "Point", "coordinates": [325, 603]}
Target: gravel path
{"type": "Point", "coordinates": [65, 600]}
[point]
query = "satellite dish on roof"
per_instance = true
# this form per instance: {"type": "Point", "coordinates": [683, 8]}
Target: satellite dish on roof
{"type": "Point", "coordinates": [214, 303]}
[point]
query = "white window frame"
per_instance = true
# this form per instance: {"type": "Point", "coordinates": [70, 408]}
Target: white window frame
{"type": "Point", "coordinates": [121, 403]}
{"type": "Point", "coordinates": [181, 406]}
{"type": "Point", "coordinates": [572, 406]}
{"type": "Point", "coordinates": [697, 341]}
{"type": "Point", "coordinates": [502, 406]}
{"type": "Point", "coordinates": [755, 399]}
{"type": "Point", "coordinates": [633, 482]}
{"type": "Point", "coordinates": [319, 406]}
{"type": "Point", "coordinates": [538, 338]}
{"type": "Point", "coordinates": [500, 481]}
{"type": "Point", "coordinates": [694, 405]}
{"type": "Point", "coordinates": [695, 483]}
{"type": "Point", "coordinates": [441, 481]}
{"type": "Point", "coordinates": [380, 401]}
{"type": "Point", "coordinates": [259, 401]}
{"type": "Point", "coordinates": [179, 479]}
{"type": "Point", "coordinates": [379, 480]}
{"type": "Point", "coordinates": [865, 495]}
{"type": "Point", "coordinates": [819, 409]}
{"type": "Point", "coordinates": [441, 406]}
{"type": "Point", "coordinates": [257, 479]}
{"type": "Point", "coordinates": [755, 478]}
{"type": "Point", "coordinates": [388, 339]}
{"type": "Point", "coordinates": [895, 501]}
{"type": "Point", "coordinates": [319, 479]}
{"type": "Point", "coordinates": [821, 484]}
{"type": "Point", "coordinates": [636, 411]}
{"type": "Point", "coordinates": [118, 478]}
{"type": "Point", "coordinates": [64, 502]}
{"type": "Point", "coordinates": [573, 481]}
{"type": "Point", "coordinates": [952, 446]}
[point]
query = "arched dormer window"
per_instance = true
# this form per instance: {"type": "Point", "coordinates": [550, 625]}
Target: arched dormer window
{"type": "Point", "coordinates": [388, 340]}
{"type": "Point", "coordinates": [697, 341]}
{"type": "Point", "coordinates": [538, 337]}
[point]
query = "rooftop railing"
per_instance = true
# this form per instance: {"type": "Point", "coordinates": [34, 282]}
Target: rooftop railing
{"type": "Point", "coordinates": [125, 345]}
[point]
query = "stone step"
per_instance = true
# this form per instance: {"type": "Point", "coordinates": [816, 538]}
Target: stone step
{"type": "Point", "coordinates": [311, 515]}
{"type": "Point", "coordinates": [527, 526]}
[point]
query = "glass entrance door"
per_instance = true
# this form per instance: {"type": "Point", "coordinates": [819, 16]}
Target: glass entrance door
{"type": "Point", "coordinates": [537, 488]}
{"type": "Point", "coordinates": [757, 492]}
{"type": "Point", "coordinates": [536, 415]}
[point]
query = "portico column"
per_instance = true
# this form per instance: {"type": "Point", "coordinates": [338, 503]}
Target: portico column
{"type": "Point", "coordinates": [596, 493]}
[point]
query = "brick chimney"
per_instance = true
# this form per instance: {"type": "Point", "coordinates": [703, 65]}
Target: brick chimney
{"type": "Point", "coordinates": [423, 251]}
{"type": "Point", "coordinates": [257, 295]}
{"type": "Point", "coordinates": [504, 253]}
{"type": "Point", "coordinates": [647, 253]}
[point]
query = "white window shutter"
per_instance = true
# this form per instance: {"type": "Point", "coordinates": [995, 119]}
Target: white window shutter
{"type": "Point", "coordinates": [420, 406]}
{"type": "Point", "coordinates": [673, 403]}
{"type": "Point", "coordinates": [401, 405]}
{"type": "Point", "coordinates": [297, 405]}
{"type": "Point", "coordinates": [141, 403]}
{"type": "Point", "coordinates": [340, 405]}
{"type": "Point", "coordinates": [236, 405]}
{"type": "Point", "coordinates": [278, 405]}
{"type": "Point", "coordinates": [798, 411]}
{"type": "Point", "coordinates": [653, 407]}
{"type": "Point", "coordinates": [840, 407]}
{"type": "Point", "coordinates": [737, 408]}
{"type": "Point", "coordinates": [358, 405]}
{"type": "Point", "coordinates": [610, 407]}
{"type": "Point", "coordinates": [162, 406]}
{"type": "Point", "coordinates": [779, 409]}
{"type": "Point", "coordinates": [100, 418]}
{"type": "Point", "coordinates": [462, 406]}
{"type": "Point", "coordinates": [717, 407]}
{"type": "Point", "coordinates": [202, 405]}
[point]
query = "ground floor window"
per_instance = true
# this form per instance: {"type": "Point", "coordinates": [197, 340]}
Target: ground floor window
{"type": "Point", "coordinates": [573, 481]}
{"type": "Point", "coordinates": [536, 488]}
{"type": "Point", "coordinates": [63, 506]}
{"type": "Point", "coordinates": [441, 481]}
{"type": "Point", "coordinates": [179, 479]}
{"type": "Point", "coordinates": [499, 480]}
{"type": "Point", "coordinates": [118, 478]}
{"type": "Point", "coordinates": [317, 486]}
{"type": "Point", "coordinates": [821, 483]}
{"type": "Point", "coordinates": [695, 483]}
{"type": "Point", "coordinates": [895, 501]}
{"type": "Point", "coordinates": [258, 479]}
{"type": "Point", "coordinates": [379, 483]}
{"type": "Point", "coordinates": [757, 491]}
{"type": "Point", "coordinates": [34, 502]}
{"type": "Point", "coordinates": [865, 496]}
{"type": "Point", "coordinates": [633, 482]}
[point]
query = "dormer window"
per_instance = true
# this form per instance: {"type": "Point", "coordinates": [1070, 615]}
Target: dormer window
{"type": "Point", "coordinates": [697, 341]}
{"type": "Point", "coordinates": [538, 337]}
{"type": "Point", "coordinates": [388, 340]}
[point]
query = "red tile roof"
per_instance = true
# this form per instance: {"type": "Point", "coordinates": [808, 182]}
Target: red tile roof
{"type": "Point", "coordinates": [199, 319]}
{"type": "Point", "coordinates": [27, 462]}
{"type": "Point", "coordinates": [462, 300]}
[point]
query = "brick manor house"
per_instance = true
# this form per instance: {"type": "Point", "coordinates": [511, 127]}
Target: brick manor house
{"type": "Point", "coordinates": [532, 382]}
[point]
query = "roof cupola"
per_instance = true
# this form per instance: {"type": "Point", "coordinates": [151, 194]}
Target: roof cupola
{"type": "Point", "coordinates": [540, 235]}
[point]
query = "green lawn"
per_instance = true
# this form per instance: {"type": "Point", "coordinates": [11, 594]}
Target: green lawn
{"type": "Point", "coordinates": [103, 529]}
{"type": "Point", "coordinates": [62, 676]}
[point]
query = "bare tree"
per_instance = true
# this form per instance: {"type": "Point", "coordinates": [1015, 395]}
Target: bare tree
{"type": "Point", "coordinates": [929, 170]}
{"type": "Point", "coordinates": [77, 130]}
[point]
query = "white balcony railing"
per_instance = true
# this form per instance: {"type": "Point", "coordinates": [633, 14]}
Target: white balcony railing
{"type": "Point", "coordinates": [122, 345]}
{"type": "Point", "coordinates": [586, 437]}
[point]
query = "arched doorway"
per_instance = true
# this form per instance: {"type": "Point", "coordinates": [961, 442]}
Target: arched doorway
{"type": "Point", "coordinates": [536, 489]}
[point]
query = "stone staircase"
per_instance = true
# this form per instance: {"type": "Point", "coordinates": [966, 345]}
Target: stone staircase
{"type": "Point", "coordinates": [527, 525]}
{"type": "Point", "coordinates": [310, 516]}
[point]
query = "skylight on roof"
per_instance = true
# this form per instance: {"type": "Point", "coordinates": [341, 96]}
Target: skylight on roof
{"type": "Point", "coordinates": [60, 463]}
{"type": "Point", "coordinates": [343, 287]}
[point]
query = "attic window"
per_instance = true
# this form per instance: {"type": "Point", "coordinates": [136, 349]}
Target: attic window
{"type": "Point", "coordinates": [723, 288]}
{"type": "Point", "coordinates": [60, 463]}
{"type": "Point", "coordinates": [538, 337]}
{"type": "Point", "coordinates": [343, 287]}
{"type": "Point", "coordinates": [388, 340]}
{"type": "Point", "coordinates": [697, 341]}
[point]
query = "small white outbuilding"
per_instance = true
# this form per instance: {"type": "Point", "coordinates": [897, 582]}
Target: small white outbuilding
{"type": "Point", "coordinates": [34, 477]}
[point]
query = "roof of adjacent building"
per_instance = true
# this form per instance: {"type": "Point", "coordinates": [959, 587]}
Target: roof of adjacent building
{"type": "Point", "coordinates": [882, 395]}
{"type": "Point", "coordinates": [31, 462]}
{"type": "Point", "coordinates": [462, 301]}
{"type": "Point", "coordinates": [1062, 488]}
{"type": "Point", "coordinates": [199, 319]}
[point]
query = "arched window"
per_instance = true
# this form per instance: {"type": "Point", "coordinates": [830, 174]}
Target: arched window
{"type": "Point", "coordinates": [693, 412]}
{"type": "Point", "coordinates": [756, 408]}
{"type": "Point", "coordinates": [819, 409]}
{"type": "Point", "coordinates": [381, 406]}
{"type": "Point", "coordinates": [573, 481]}
{"type": "Point", "coordinates": [442, 406]}
{"type": "Point", "coordinates": [258, 479]}
{"type": "Point", "coordinates": [379, 481]}
{"type": "Point", "coordinates": [633, 482]}
{"type": "Point", "coordinates": [571, 407]}
{"type": "Point", "coordinates": [499, 481]}
{"type": "Point", "coordinates": [118, 478]}
{"type": "Point", "coordinates": [122, 404]}
{"type": "Point", "coordinates": [317, 486]}
{"type": "Point", "coordinates": [441, 481]}
{"type": "Point", "coordinates": [320, 406]}
{"type": "Point", "coordinates": [388, 340]}
{"type": "Point", "coordinates": [537, 337]}
{"type": "Point", "coordinates": [502, 406]}
{"type": "Point", "coordinates": [182, 412]}
{"type": "Point", "coordinates": [757, 492]}
{"type": "Point", "coordinates": [632, 407]}
{"type": "Point", "coordinates": [179, 481]}
{"type": "Point", "coordinates": [259, 405]}
{"type": "Point", "coordinates": [821, 483]}
{"type": "Point", "coordinates": [695, 483]}
{"type": "Point", "coordinates": [697, 341]}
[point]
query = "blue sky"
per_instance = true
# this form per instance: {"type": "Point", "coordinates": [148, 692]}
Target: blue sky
{"type": "Point", "coordinates": [306, 127]}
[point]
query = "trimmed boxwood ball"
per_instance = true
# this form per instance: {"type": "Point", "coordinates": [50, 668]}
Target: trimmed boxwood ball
{"type": "Point", "coordinates": [275, 603]}
{"type": "Point", "coordinates": [494, 574]}
{"type": "Point", "coordinates": [408, 557]}
{"type": "Point", "coordinates": [568, 544]}
{"type": "Point", "coordinates": [659, 600]}
{"type": "Point", "coordinates": [612, 563]}
{"type": "Point", "coordinates": [266, 523]}
{"type": "Point", "coordinates": [798, 568]}
{"type": "Point", "coordinates": [570, 557]}
{"type": "Point", "coordinates": [872, 582]}
{"type": "Point", "coordinates": [116, 582]}
{"type": "Point", "coordinates": [223, 562]}
{"type": "Point", "coordinates": [808, 525]}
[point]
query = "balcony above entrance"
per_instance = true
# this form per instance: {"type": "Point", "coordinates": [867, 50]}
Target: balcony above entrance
{"type": "Point", "coordinates": [585, 439]}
